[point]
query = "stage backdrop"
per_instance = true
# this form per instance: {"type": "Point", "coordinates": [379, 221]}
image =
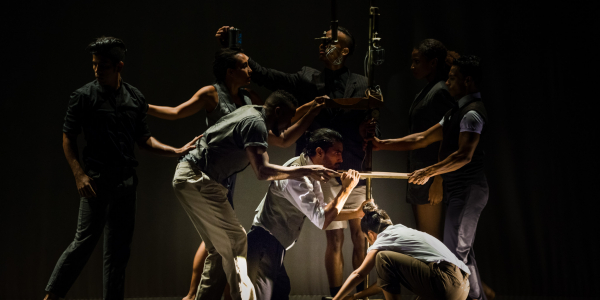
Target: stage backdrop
{"type": "Point", "coordinates": [534, 237]}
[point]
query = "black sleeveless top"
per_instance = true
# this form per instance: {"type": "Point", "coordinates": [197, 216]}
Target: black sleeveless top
{"type": "Point", "coordinates": [473, 171]}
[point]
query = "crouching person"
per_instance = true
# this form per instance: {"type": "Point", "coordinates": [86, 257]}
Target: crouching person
{"type": "Point", "coordinates": [405, 256]}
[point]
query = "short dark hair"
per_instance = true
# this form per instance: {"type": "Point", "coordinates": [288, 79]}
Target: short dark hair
{"type": "Point", "coordinates": [109, 47]}
{"type": "Point", "coordinates": [225, 59]}
{"type": "Point", "coordinates": [432, 48]}
{"type": "Point", "coordinates": [351, 44]}
{"type": "Point", "coordinates": [375, 219]}
{"type": "Point", "coordinates": [323, 138]}
{"type": "Point", "coordinates": [281, 98]}
{"type": "Point", "coordinates": [469, 65]}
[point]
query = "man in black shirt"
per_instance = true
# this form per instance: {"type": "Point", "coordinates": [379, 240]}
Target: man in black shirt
{"type": "Point", "coordinates": [112, 114]}
{"type": "Point", "coordinates": [335, 81]}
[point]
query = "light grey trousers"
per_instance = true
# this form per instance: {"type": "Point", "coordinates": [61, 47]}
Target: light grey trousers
{"type": "Point", "coordinates": [205, 202]}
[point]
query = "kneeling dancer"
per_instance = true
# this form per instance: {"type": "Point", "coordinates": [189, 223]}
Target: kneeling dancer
{"type": "Point", "coordinates": [280, 215]}
{"type": "Point", "coordinates": [228, 147]}
{"type": "Point", "coordinates": [409, 257]}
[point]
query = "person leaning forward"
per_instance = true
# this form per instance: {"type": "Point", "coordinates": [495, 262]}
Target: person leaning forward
{"type": "Point", "coordinates": [112, 114]}
{"type": "Point", "coordinates": [335, 81]}
{"type": "Point", "coordinates": [237, 140]}
{"type": "Point", "coordinates": [280, 215]}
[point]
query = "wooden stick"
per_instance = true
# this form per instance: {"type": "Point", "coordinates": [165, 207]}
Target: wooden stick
{"type": "Point", "coordinates": [389, 175]}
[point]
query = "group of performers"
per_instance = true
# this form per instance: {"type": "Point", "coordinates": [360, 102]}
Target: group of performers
{"type": "Point", "coordinates": [435, 260]}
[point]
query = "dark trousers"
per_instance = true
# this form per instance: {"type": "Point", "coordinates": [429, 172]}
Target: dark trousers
{"type": "Point", "coordinates": [265, 266]}
{"type": "Point", "coordinates": [426, 280]}
{"type": "Point", "coordinates": [462, 215]}
{"type": "Point", "coordinates": [113, 213]}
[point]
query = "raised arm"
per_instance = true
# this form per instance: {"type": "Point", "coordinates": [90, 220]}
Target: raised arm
{"type": "Point", "coordinates": [358, 275]}
{"type": "Point", "coordinates": [334, 208]}
{"type": "Point", "coordinates": [467, 143]}
{"type": "Point", "coordinates": [205, 98]}
{"type": "Point", "coordinates": [410, 142]}
{"type": "Point", "coordinates": [357, 213]}
{"type": "Point", "coordinates": [271, 79]}
{"type": "Point", "coordinates": [259, 159]}
{"type": "Point", "coordinates": [291, 135]}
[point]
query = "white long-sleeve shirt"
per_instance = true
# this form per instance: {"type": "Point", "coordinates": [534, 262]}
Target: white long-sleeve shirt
{"type": "Point", "coordinates": [288, 202]}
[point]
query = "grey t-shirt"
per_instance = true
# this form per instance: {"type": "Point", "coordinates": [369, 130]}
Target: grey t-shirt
{"type": "Point", "coordinates": [471, 121]}
{"type": "Point", "coordinates": [221, 152]}
{"type": "Point", "coordinates": [416, 244]}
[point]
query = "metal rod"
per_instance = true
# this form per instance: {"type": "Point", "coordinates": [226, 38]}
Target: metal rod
{"type": "Point", "coordinates": [369, 196]}
{"type": "Point", "coordinates": [334, 21]}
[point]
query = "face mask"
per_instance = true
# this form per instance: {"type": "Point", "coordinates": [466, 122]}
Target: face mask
{"type": "Point", "coordinates": [334, 55]}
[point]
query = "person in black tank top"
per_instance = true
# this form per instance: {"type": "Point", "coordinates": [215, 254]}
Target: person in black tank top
{"type": "Point", "coordinates": [232, 73]}
{"type": "Point", "coordinates": [430, 61]}
{"type": "Point", "coordinates": [460, 163]}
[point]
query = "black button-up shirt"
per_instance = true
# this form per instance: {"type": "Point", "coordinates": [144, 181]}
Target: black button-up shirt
{"type": "Point", "coordinates": [112, 122]}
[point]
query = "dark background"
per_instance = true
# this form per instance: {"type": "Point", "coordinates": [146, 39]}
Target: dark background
{"type": "Point", "coordinates": [537, 235]}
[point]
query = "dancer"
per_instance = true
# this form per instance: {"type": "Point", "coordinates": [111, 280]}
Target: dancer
{"type": "Point", "coordinates": [280, 215]}
{"type": "Point", "coordinates": [336, 81]}
{"type": "Point", "coordinates": [461, 162]}
{"type": "Point", "coordinates": [405, 256]}
{"type": "Point", "coordinates": [112, 114]}
{"type": "Point", "coordinates": [231, 72]}
{"type": "Point", "coordinates": [235, 141]}
{"type": "Point", "coordinates": [431, 62]}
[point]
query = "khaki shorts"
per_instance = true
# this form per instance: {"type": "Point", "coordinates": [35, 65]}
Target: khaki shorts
{"type": "Point", "coordinates": [356, 198]}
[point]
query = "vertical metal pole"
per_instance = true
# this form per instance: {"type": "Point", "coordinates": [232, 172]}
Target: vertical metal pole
{"type": "Point", "coordinates": [368, 166]}
{"type": "Point", "coordinates": [369, 196]}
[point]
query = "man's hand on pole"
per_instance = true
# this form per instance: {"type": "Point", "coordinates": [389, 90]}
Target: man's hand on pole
{"type": "Point", "coordinates": [318, 104]}
{"type": "Point", "coordinates": [350, 179]}
{"type": "Point", "coordinates": [376, 142]}
{"type": "Point", "coordinates": [419, 177]}
{"type": "Point", "coordinates": [367, 128]}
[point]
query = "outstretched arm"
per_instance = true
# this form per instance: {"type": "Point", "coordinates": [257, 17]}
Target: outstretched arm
{"type": "Point", "coordinates": [151, 144]}
{"type": "Point", "coordinates": [205, 98]}
{"type": "Point", "coordinates": [410, 142]}
{"type": "Point", "coordinates": [259, 159]}
{"type": "Point", "coordinates": [467, 142]}
{"type": "Point", "coordinates": [291, 135]}
{"type": "Point", "coordinates": [358, 275]}
{"type": "Point", "coordinates": [349, 214]}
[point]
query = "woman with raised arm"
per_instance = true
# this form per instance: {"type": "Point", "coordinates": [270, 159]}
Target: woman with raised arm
{"type": "Point", "coordinates": [232, 73]}
{"type": "Point", "coordinates": [431, 61]}
{"type": "Point", "coordinates": [405, 256]}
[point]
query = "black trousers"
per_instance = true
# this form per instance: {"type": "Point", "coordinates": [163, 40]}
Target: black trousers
{"type": "Point", "coordinates": [265, 266]}
{"type": "Point", "coordinates": [462, 214]}
{"type": "Point", "coordinates": [114, 213]}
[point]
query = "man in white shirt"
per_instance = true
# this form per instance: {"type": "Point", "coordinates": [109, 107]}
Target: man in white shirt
{"type": "Point", "coordinates": [280, 215]}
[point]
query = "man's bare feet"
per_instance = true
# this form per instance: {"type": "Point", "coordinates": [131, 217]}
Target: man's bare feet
{"type": "Point", "coordinates": [51, 296]}
{"type": "Point", "coordinates": [189, 297]}
{"type": "Point", "coordinates": [489, 293]}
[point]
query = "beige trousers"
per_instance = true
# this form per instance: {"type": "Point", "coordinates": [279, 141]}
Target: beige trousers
{"type": "Point", "coordinates": [205, 202]}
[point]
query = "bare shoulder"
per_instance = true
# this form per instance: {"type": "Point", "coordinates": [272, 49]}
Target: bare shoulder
{"type": "Point", "coordinates": [209, 96]}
